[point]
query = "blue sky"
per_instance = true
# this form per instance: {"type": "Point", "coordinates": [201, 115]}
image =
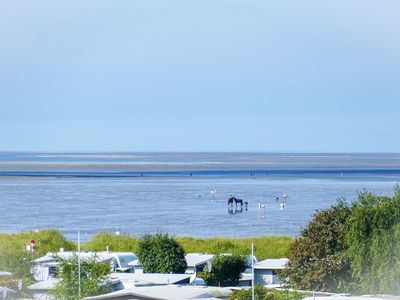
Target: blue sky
{"type": "Point", "coordinates": [318, 76]}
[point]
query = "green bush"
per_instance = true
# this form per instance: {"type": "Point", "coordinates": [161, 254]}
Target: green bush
{"type": "Point", "coordinates": [318, 259]}
{"type": "Point", "coordinates": [262, 293]}
{"type": "Point", "coordinates": [373, 238]}
{"type": "Point", "coordinates": [92, 279]}
{"type": "Point", "coordinates": [350, 248]}
{"type": "Point", "coordinates": [160, 253]}
{"type": "Point", "coordinates": [226, 270]}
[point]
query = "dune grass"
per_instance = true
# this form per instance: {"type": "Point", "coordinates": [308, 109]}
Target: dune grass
{"type": "Point", "coordinates": [116, 243]}
{"type": "Point", "coordinates": [269, 246]}
{"type": "Point", "coordinates": [264, 246]}
{"type": "Point", "coordinates": [15, 258]}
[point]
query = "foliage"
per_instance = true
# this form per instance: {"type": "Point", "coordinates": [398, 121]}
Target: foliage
{"type": "Point", "coordinates": [160, 253]}
{"type": "Point", "coordinates": [353, 248]}
{"type": "Point", "coordinates": [18, 262]}
{"type": "Point", "coordinates": [13, 255]}
{"type": "Point", "coordinates": [374, 242]}
{"type": "Point", "coordinates": [262, 293]}
{"type": "Point", "coordinates": [92, 274]}
{"type": "Point", "coordinates": [226, 270]}
{"type": "Point", "coordinates": [124, 243]}
{"type": "Point", "coordinates": [49, 240]}
{"type": "Point", "coordinates": [318, 259]}
{"type": "Point", "coordinates": [264, 246]}
{"type": "Point", "coordinates": [14, 259]}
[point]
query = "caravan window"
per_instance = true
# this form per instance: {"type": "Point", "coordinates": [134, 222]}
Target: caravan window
{"type": "Point", "coordinates": [124, 260]}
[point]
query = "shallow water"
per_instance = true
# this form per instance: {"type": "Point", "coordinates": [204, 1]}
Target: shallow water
{"type": "Point", "coordinates": [139, 193]}
{"type": "Point", "coordinates": [181, 206]}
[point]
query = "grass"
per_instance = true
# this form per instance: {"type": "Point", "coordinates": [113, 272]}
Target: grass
{"type": "Point", "coordinates": [264, 246]}
{"type": "Point", "coordinates": [15, 258]}
{"type": "Point", "coordinates": [269, 246]}
{"type": "Point", "coordinates": [116, 243]}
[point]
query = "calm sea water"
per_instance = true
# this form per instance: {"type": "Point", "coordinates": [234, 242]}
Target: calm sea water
{"type": "Point", "coordinates": [184, 194]}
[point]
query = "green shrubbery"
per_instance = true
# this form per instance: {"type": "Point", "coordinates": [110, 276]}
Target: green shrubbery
{"type": "Point", "coordinates": [92, 279]}
{"type": "Point", "coordinates": [262, 293]}
{"type": "Point", "coordinates": [373, 240]}
{"type": "Point", "coordinates": [352, 248]}
{"type": "Point", "coordinates": [13, 255]}
{"type": "Point", "coordinates": [160, 253]}
{"type": "Point", "coordinates": [226, 270]}
{"type": "Point", "coordinates": [318, 258]}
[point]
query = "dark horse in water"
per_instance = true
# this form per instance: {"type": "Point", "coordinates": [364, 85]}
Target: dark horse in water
{"type": "Point", "coordinates": [237, 201]}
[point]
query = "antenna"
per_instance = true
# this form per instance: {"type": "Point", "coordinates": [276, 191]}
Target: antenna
{"type": "Point", "coordinates": [79, 264]}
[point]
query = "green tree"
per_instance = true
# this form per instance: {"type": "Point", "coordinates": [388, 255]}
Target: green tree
{"type": "Point", "coordinates": [318, 258]}
{"type": "Point", "coordinates": [226, 270]}
{"type": "Point", "coordinates": [160, 253]}
{"type": "Point", "coordinates": [373, 238]}
{"type": "Point", "coordinates": [93, 278]}
{"type": "Point", "coordinates": [262, 293]}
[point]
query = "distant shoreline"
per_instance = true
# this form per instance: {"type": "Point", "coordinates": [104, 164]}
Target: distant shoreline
{"type": "Point", "coordinates": [199, 173]}
{"type": "Point", "coordinates": [179, 163]}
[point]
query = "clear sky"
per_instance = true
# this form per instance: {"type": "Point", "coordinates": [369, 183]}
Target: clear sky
{"type": "Point", "coordinates": [207, 75]}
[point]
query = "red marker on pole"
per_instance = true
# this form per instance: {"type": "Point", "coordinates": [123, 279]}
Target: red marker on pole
{"type": "Point", "coordinates": [33, 243]}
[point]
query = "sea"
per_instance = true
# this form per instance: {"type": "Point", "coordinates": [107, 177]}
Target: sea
{"type": "Point", "coordinates": [183, 194]}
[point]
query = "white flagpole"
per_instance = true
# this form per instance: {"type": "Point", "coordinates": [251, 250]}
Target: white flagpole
{"type": "Point", "coordinates": [252, 271]}
{"type": "Point", "coordinates": [79, 264]}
